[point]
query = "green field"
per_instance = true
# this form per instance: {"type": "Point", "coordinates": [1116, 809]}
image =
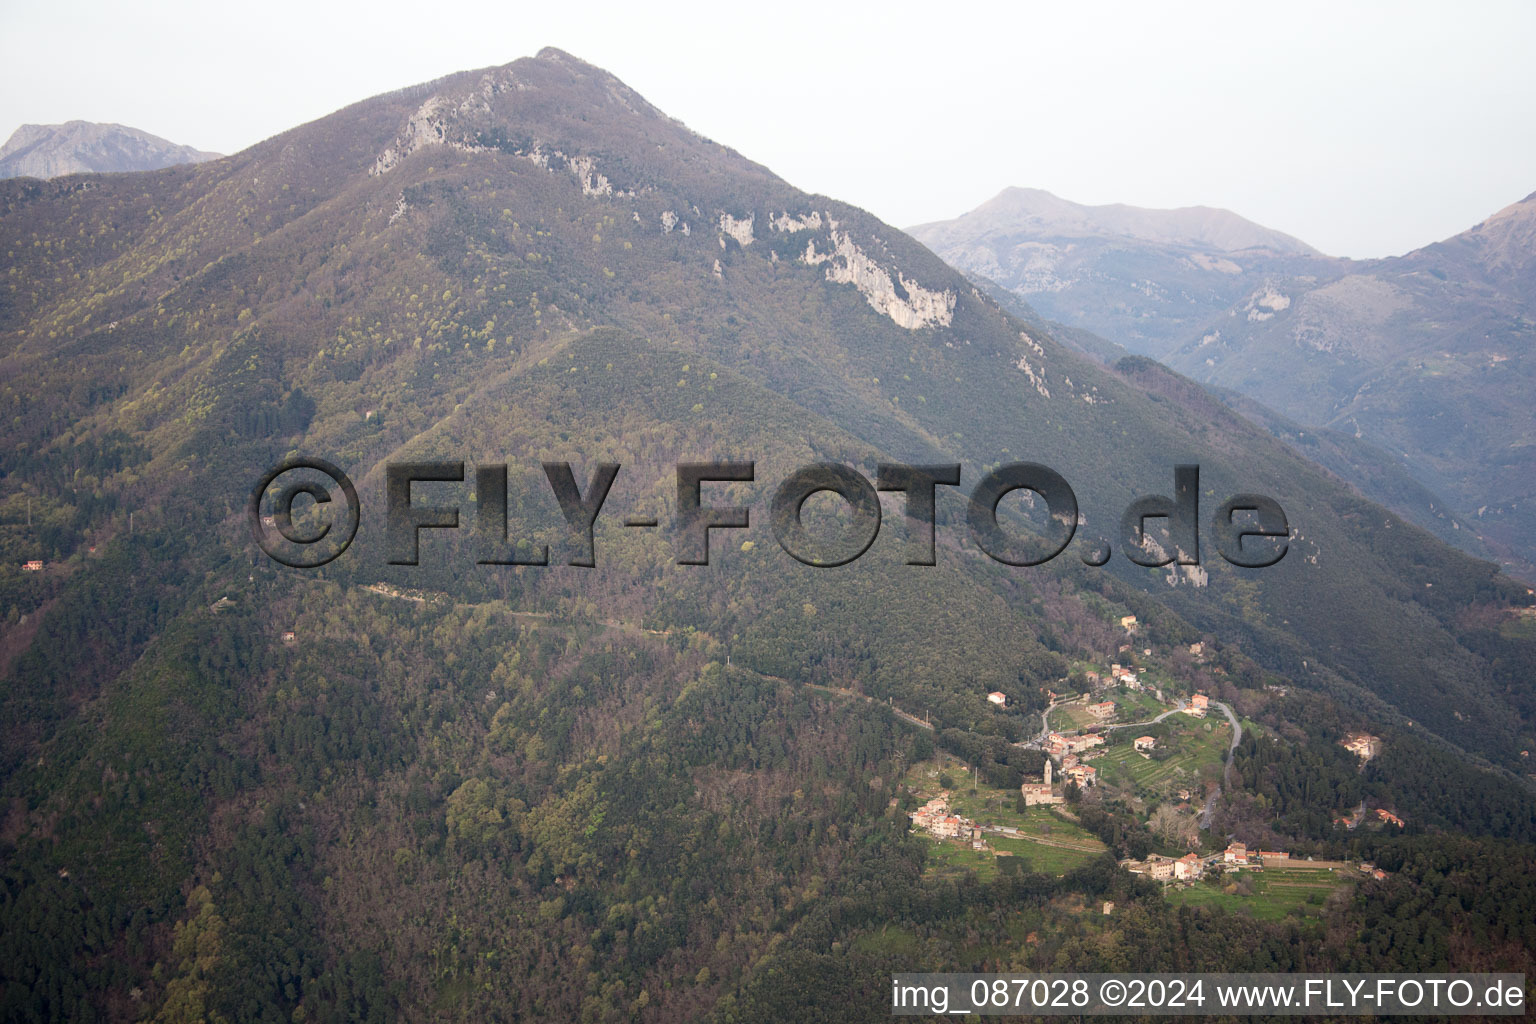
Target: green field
{"type": "Point", "coordinates": [1135, 707]}
{"type": "Point", "coordinates": [1519, 627]}
{"type": "Point", "coordinates": [1276, 893]}
{"type": "Point", "coordinates": [990, 806]}
{"type": "Point", "coordinates": [1194, 750]}
{"type": "Point", "coordinates": [1130, 706]}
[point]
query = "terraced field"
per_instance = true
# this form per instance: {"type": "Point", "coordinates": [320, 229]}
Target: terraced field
{"type": "Point", "coordinates": [1276, 893]}
{"type": "Point", "coordinates": [1194, 750]}
{"type": "Point", "coordinates": [1047, 841]}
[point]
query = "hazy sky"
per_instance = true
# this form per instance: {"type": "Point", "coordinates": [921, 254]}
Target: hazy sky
{"type": "Point", "coordinates": [1365, 129]}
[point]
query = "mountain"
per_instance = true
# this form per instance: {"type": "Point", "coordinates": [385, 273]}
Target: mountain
{"type": "Point", "coordinates": [1428, 356]}
{"type": "Point", "coordinates": [1420, 360]}
{"type": "Point", "coordinates": [468, 789]}
{"type": "Point", "coordinates": [1140, 277]}
{"type": "Point", "coordinates": [81, 147]}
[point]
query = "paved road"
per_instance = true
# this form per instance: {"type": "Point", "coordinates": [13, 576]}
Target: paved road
{"type": "Point", "coordinates": [1150, 721]}
{"type": "Point", "coordinates": [1226, 774]}
{"type": "Point", "coordinates": [1045, 724]}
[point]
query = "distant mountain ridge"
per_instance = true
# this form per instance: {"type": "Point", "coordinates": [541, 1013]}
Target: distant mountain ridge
{"type": "Point", "coordinates": [1425, 357]}
{"type": "Point", "coordinates": [1019, 209]}
{"type": "Point", "coordinates": [75, 147]}
{"type": "Point", "coordinates": [1143, 278]}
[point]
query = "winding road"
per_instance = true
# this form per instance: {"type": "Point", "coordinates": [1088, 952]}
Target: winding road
{"type": "Point", "coordinates": [1226, 773]}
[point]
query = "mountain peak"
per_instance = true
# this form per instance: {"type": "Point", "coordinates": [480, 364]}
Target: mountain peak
{"type": "Point", "coordinates": [1507, 239]}
{"type": "Point", "coordinates": [74, 147]}
{"type": "Point", "coordinates": [1038, 212]}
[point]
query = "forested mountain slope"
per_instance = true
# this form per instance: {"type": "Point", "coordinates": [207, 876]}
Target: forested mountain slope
{"type": "Point", "coordinates": [466, 791]}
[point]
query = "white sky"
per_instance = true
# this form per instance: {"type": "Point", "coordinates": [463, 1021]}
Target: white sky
{"type": "Point", "coordinates": [1365, 129]}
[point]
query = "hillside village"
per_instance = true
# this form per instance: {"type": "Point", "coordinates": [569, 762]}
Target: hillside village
{"type": "Point", "coordinates": [1135, 730]}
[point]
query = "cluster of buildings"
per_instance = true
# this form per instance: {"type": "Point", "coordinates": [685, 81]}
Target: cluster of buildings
{"type": "Point", "coordinates": [1237, 855]}
{"type": "Point", "coordinates": [1059, 746]}
{"type": "Point", "coordinates": [1188, 868]}
{"type": "Point", "coordinates": [1191, 867]}
{"type": "Point", "coordinates": [1362, 744]}
{"type": "Point", "coordinates": [935, 819]}
{"type": "Point", "coordinates": [1123, 676]}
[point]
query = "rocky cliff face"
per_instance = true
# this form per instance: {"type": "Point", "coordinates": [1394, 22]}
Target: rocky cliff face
{"type": "Point", "coordinates": [76, 147]}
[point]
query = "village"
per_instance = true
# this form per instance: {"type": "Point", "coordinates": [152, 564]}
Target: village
{"type": "Point", "coordinates": [1132, 730]}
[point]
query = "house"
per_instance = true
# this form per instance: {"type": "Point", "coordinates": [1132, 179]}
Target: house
{"type": "Point", "coordinates": [1128, 623]}
{"type": "Point", "coordinates": [289, 636]}
{"type": "Point", "coordinates": [1188, 868]}
{"type": "Point", "coordinates": [1197, 649]}
{"type": "Point", "coordinates": [1198, 704]}
{"type": "Point", "coordinates": [1103, 709]}
{"type": "Point", "coordinates": [1274, 855]}
{"type": "Point", "coordinates": [1236, 854]}
{"type": "Point", "coordinates": [1093, 678]}
{"type": "Point", "coordinates": [36, 565]}
{"type": "Point", "coordinates": [1085, 775]}
{"type": "Point", "coordinates": [1390, 818]}
{"type": "Point", "coordinates": [1078, 744]}
{"type": "Point", "coordinates": [1362, 744]}
{"type": "Point", "coordinates": [1366, 867]}
{"type": "Point", "coordinates": [998, 697]}
{"type": "Point", "coordinates": [1157, 868]}
{"type": "Point", "coordinates": [1131, 681]}
{"type": "Point", "coordinates": [1378, 874]}
{"type": "Point", "coordinates": [1042, 793]}
{"type": "Point", "coordinates": [931, 813]}
{"type": "Point", "coordinates": [1145, 744]}
{"type": "Point", "coordinates": [1109, 907]}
